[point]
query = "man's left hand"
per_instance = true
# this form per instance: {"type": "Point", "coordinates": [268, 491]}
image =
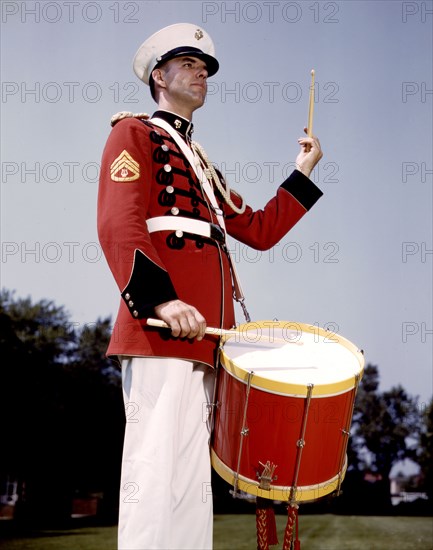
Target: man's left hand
{"type": "Point", "coordinates": [309, 155]}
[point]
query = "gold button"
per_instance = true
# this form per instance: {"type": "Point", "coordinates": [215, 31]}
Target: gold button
{"type": "Point", "coordinates": [135, 313]}
{"type": "Point", "coordinates": [164, 147]}
{"type": "Point", "coordinates": [175, 210]}
{"type": "Point", "coordinates": [179, 233]}
{"type": "Point", "coordinates": [127, 296]}
{"type": "Point", "coordinates": [169, 189]}
{"type": "Point", "coordinates": [167, 168]}
{"type": "Point", "coordinates": [130, 303]}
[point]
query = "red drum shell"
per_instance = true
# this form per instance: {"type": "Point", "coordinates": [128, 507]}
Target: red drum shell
{"type": "Point", "coordinates": [274, 429]}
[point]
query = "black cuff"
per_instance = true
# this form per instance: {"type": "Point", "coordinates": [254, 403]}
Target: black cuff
{"type": "Point", "coordinates": [302, 188]}
{"type": "Point", "coordinates": [149, 286]}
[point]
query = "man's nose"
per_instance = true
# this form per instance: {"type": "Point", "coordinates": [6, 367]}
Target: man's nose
{"type": "Point", "coordinates": [203, 72]}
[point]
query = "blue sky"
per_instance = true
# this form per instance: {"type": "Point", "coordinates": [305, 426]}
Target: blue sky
{"type": "Point", "coordinates": [360, 262]}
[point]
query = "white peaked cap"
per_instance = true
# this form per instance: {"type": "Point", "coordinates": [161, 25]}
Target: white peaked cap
{"type": "Point", "coordinates": [174, 41]}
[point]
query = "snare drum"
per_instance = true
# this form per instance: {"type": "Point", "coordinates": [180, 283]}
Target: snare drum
{"type": "Point", "coordinates": [284, 405]}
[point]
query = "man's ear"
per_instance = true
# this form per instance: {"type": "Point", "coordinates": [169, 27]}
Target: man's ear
{"type": "Point", "coordinates": [158, 77]}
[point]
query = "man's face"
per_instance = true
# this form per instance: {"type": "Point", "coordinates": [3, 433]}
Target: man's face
{"type": "Point", "coordinates": [185, 81]}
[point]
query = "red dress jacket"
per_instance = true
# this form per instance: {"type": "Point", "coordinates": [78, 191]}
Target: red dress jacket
{"type": "Point", "coordinates": [144, 175]}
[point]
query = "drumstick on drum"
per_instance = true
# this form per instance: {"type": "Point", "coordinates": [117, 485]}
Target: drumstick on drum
{"type": "Point", "coordinates": [223, 332]}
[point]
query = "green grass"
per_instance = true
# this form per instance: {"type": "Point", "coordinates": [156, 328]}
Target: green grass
{"type": "Point", "coordinates": [329, 532]}
{"type": "Point", "coordinates": [236, 532]}
{"type": "Point", "coordinates": [87, 538]}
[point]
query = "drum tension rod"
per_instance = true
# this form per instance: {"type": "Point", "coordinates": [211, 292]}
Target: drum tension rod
{"type": "Point", "coordinates": [346, 433]}
{"type": "Point", "coordinates": [244, 433]}
{"type": "Point", "coordinates": [215, 404]}
{"type": "Point", "coordinates": [301, 444]}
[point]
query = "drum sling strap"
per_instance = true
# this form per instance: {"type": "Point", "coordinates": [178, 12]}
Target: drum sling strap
{"type": "Point", "coordinates": [198, 165]}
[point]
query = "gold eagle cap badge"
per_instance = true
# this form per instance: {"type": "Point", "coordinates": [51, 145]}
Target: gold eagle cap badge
{"type": "Point", "coordinates": [198, 34]}
{"type": "Point", "coordinates": [124, 168]}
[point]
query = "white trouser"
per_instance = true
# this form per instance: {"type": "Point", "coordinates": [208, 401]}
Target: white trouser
{"type": "Point", "coordinates": [165, 493]}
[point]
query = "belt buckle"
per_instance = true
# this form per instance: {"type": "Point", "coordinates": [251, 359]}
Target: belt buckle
{"type": "Point", "coordinates": [217, 233]}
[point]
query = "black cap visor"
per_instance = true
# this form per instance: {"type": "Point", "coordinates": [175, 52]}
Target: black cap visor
{"type": "Point", "coordinates": [212, 64]}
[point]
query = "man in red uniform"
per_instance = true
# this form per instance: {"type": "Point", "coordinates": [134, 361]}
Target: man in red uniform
{"type": "Point", "coordinates": [162, 219]}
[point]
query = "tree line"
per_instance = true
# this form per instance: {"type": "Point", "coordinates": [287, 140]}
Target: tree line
{"type": "Point", "coordinates": [62, 417]}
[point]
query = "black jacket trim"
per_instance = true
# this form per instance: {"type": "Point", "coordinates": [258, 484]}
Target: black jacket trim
{"type": "Point", "coordinates": [302, 188]}
{"type": "Point", "coordinates": [148, 286]}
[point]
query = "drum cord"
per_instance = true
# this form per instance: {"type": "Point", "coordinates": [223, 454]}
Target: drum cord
{"type": "Point", "coordinates": [212, 175]}
{"type": "Point", "coordinates": [213, 178]}
{"type": "Point", "coordinates": [220, 249]}
{"type": "Point", "coordinates": [222, 309]}
{"type": "Point", "coordinates": [221, 264]}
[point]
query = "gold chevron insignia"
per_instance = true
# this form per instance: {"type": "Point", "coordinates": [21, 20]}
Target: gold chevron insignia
{"type": "Point", "coordinates": [125, 168]}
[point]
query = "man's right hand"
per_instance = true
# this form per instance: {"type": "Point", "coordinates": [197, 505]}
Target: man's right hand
{"type": "Point", "coordinates": [184, 320]}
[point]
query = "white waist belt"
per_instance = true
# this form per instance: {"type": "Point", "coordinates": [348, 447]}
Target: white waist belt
{"type": "Point", "coordinates": [180, 224]}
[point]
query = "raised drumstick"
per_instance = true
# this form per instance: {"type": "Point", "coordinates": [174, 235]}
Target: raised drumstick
{"type": "Point", "coordinates": [311, 108]}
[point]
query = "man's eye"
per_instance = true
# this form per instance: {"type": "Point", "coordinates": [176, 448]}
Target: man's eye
{"type": "Point", "coordinates": [187, 64]}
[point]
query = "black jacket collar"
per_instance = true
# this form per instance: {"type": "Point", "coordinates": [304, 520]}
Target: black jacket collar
{"type": "Point", "coordinates": [182, 125]}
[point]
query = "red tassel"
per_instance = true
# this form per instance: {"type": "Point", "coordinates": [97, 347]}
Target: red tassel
{"type": "Point", "coordinates": [266, 524]}
{"type": "Point", "coordinates": [272, 526]}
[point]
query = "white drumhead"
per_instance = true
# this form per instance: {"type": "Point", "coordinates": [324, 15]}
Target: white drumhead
{"type": "Point", "coordinates": [286, 357]}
